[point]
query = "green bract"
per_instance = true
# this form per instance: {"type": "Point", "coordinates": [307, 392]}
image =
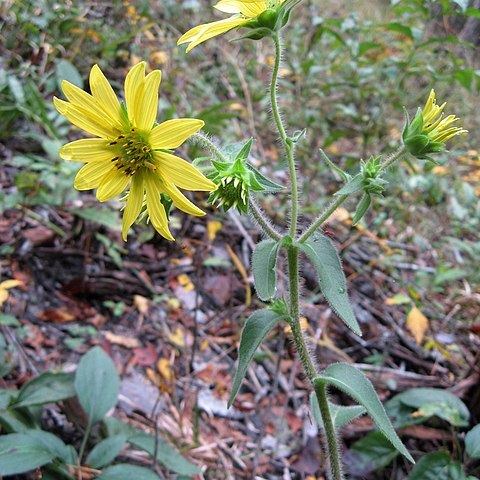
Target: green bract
{"type": "Point", "coordinates": [236, 179]}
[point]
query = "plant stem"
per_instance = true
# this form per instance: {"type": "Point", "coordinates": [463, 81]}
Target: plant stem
{"type": "Point", "coordinates": [289, 148]}
{"type": "Point", "coordinates": [308, 366]}
{"type": "Point", "coordinates": [333, 451]}
{"type": "Point", "coordinates": [337, 201]}
{"type": "Point", "coordinates": [205, 142]}
{"type": "Point", "coordinates": [85, 439]}
{"type": "Point", "coordinates": [292, 254]}
{"type": "Point", "coordinates": [262, 220]}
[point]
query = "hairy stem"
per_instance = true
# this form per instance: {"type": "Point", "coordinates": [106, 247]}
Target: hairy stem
{"type": "Point", "coordinates": [308, 365]}
{"type": "Point", "coordinates": [289, 149]}
{"type": "Point", "coordinates": [337, 201]}
{"type": "Point", "coordinates": [332, 444]}
{"type": "Point", "coordinates": [262, 220]}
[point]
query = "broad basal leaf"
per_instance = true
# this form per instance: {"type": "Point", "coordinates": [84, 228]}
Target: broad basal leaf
{"type": "Point", "coordinates": [97, 384]}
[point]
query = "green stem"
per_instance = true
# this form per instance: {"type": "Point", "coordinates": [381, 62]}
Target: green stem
{"type": "Point", "coordinates": [337, 201]}
{"type": "Point", "coordinates": [302, 349]}
{"type": "Point", "coordinates": [289, 149]}
{"type": "Point", "coordinates": [206, 143]}
{"type": "Point", "coordinates": [262, 220]}
{"type": "Point", "coordinates": [323, 217]}
{"type": "Point", "coordinates": [332, 444]}
{"type": "Point", "coordinates": [300, 344]}
{"type": "Point", "coordinates": [85, 439]}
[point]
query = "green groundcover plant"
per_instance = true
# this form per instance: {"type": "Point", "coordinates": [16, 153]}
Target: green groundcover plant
{"type": "Point", "coordinates": [130, 154]}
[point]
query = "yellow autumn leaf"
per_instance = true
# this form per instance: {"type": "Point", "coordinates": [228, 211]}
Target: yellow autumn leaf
{"type": "Point", "coordinates": [177, 338]}
{"type": "Point", "coordinates": [165, 369]}
{"type": "Point", "coordinates": [185, 282]}
{"type": "Point", "coordinates": [141, 303]}
{"type": "Point", "coordinates": [213, 227]}
{"type": "Point", "coordinates": [417, 323]}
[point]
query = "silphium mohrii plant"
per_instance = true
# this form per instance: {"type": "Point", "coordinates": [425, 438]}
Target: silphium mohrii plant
{"type": "Point", "coordinates": [133, 155]}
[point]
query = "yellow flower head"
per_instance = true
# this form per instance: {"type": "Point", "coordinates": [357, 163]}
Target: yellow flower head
{"type": "Point", "coordinates": [131, 148]}
{"type": "Point", "coordinates": [438, 127]}
{"type": "Point", "coordinates": [244, 12]}
{"type": "Point", "coordinates": [430, 129]}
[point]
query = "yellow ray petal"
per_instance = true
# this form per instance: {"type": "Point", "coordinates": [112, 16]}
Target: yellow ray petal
{"type": "Point", "coordinates": [84, 120]}
{"type": "Point", "coordinates": [134, 203]}
{"type": "Point", "coordinates": [182, 202]}
{"type": "Point", "coordinates": [227, 6]}
{"type": "Point", "coordinates": [91, 174]}
{"type": "Point", "coordinates": [204, 32]}
{"type": "Point", "coordinates": [105, 96]}
{"type": "Point", "coordinates": [134, 89]}
{"type": "Point", "coordinates": [172, 133]}
{"type": "Point", "coordinates": [181, 173]}
{"type": "Point", "coordinates": [147, 105]}
{"type": "Point", "coordinates": [251, 9]}
{"type": "Point", "coordinates": [112, 184]}
{"type": "Point", "coordinates": [156, 211]}
{"type": "Point", "coordinates": [87, 150]}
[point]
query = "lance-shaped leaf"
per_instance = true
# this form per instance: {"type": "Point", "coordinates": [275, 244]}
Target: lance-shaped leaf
{"type": "Point", "coordinates": [341, 415]}
{"type": "Point", "coordinates": [354, 383]}
{"type": "Point", "coordinates": [324, 257]}
{"type": "Point", "coordinates": [354, 185]}
{"type": "Point", "coordinates": [256, 328]}
{"type": "Point", "coordinates": [264, 262]}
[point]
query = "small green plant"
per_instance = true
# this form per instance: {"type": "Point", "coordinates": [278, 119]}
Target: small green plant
{"type": "Point", "coordinates": [95, 385]}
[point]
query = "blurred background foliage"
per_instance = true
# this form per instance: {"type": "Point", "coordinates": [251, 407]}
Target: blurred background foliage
{"type": "Point", "coordinates": [349, 69]}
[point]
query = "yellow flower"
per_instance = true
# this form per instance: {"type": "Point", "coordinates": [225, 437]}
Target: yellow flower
{"type": "Point", "coordinates": [131, 148]}
{"type": "Point", "coordinates": [429, 130]}
{"type": "Point", "coordinates": [435, 125]}
{"type": "Point", "coordinates": [244, 11]}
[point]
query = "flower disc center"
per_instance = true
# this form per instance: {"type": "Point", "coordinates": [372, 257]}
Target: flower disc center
{"type": "Point", "coordinates": [133, 152]}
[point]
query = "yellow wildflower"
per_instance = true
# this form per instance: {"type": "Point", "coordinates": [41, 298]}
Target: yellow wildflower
{"type": "Point", "coordinates": [429, 131]}
{"type": "Point", "coordinates": [244, 12]}
{"type": "Point", "coordinates": [435, 125]}
{"type": "Point", "coordinates": [131, 148]}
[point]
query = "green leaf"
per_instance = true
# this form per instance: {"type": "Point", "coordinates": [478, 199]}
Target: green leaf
{"type": "Point", "coordinates": [354, 383]}
{"type": "Point", "coordinates": [324, 257]}
{"type": "Point", "coordinates": [427, 402]}
{"type": "Point", "coordinates": [437, 466]}
{"type": "Point", "coordinates": [341, 415]}
{"type": "Point", "coordinates": [472, 442]}
{"type": "Point", "coordinates": [353, 186]}
{"type": "Point", "coordinates": [105, 451]}
{"type": "Point", "coordinates": [264, 262]}
{"type": "Point", "coordinates": [97, 384]}
{"type": "Point", "coordinates": [254, 331]}
{"type": "Point", "coordinates": [46, 388]}
{"type": "Point", "coordinates": [124, 471]}
{"type": "Point", "coordinates": [65, 70]}
{"type": "Point", "coordinates": [369, 454]}
{"type": "Point", "coordinates": [9, 320]}
{"type": "Point", "coordinates": [267, 184]}
{"type": "Point", "coordinates": [166, 455]}
{"type": "Point", "coordinates": [22, 452]}
{"type": "Point", "coordinates": [362, 208]}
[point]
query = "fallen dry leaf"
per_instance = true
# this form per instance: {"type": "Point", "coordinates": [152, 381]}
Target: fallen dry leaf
{"type": "Point", "coordinates": [127, 342]}
{"type": "Point", "coordinates": [417, 323]}
{"type": "Point", "coordinates": [141, 303]}
{"type": "Point", "coordinates": [58, 315]}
